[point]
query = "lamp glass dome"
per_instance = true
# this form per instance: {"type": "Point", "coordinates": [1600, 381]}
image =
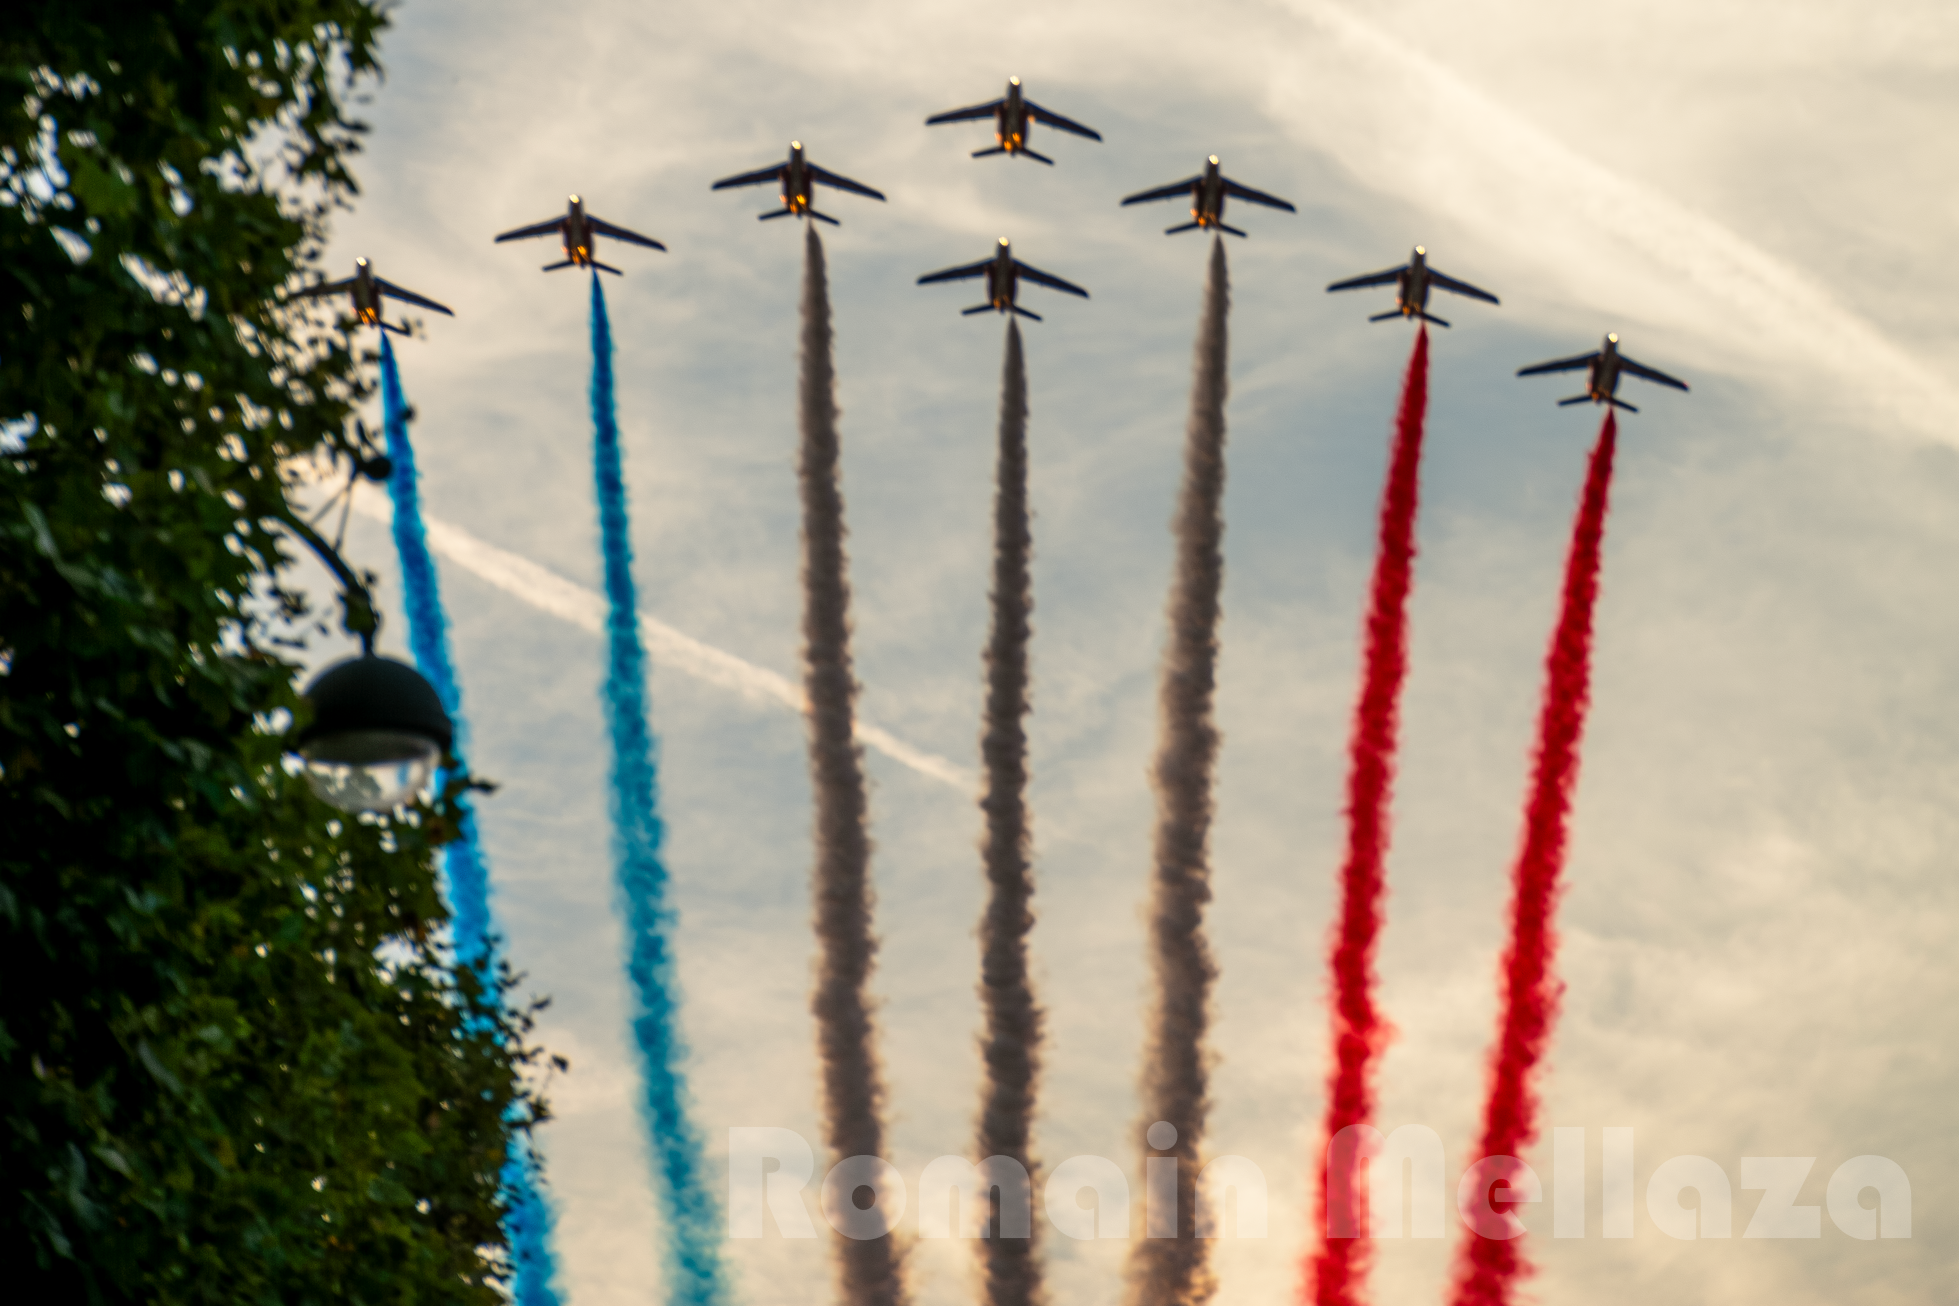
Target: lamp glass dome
{"type": "Point", "coordinates": [370, 770]}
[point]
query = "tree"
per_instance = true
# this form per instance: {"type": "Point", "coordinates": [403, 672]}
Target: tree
{"type": "Point", "coordinates": [236, 1062]}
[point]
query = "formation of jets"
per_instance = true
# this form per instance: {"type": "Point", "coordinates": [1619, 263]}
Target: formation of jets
{"type": "Point", "coordinates": [1003, 273]}
{"type": "Point", "coordinates": [1014, 116]}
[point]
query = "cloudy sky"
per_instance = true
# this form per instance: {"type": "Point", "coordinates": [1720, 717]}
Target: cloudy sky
{"type": "Point", "coordinates": [1757, 936]}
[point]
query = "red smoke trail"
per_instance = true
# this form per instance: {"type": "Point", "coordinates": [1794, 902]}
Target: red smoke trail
{"type": "Point", "coordinates": [1339, 1267]}
{"type": "Point", "coordinates": [1487, 1267]}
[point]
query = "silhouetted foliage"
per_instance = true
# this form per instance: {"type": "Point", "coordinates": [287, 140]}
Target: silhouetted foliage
{"type": "Point", "coordinates": [236, 1064]}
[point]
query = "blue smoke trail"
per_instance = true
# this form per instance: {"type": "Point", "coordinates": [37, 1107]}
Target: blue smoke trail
{"type": "Point", "coordinates": [693, 1261]}
{"type": "Point", "coordinates": [528, 1220]}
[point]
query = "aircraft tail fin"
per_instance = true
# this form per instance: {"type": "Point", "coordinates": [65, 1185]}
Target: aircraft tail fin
{"type": "Point", "coordinates": [977, 308]}
{"type": "Point", "coordinates": [553, 267]}
{"type": "Point", "coordinates": [1620, 403]}
{"type": "Point", "coordinates": [997, 149]}
{"type": "Point", "coordinates": [1426, 316]}
{"type": "Point", "coordinates": [606, 267]}
{"type": "Point", "coordinates": [772, 213]}
{"type": "Point", "coordinates": [1233, 230]}
{"type": "Point", "coordinates": [1023, 312]}
{"type": "Point", "coordinates": [824, 217]}
{"type": "Point", "coordinates": [1188, 226]}
{"type": "Point", "coordinates": [1575, 399]}
{"type": "Point", "coordinates": [1383, 317]}
{"type": "Point", "coordinates": [386, 325]}
{"type": "Point", "coordinates": [1039, 157]}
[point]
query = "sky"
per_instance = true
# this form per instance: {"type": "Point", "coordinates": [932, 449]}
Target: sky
{"type": "Point", "coordinates": [1756, 936]}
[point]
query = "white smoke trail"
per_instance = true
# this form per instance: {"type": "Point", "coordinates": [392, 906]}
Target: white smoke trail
{"type": "Point", "coordinates": [670, 649]}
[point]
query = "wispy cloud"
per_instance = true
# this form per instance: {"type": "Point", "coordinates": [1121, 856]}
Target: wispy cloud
{"type": "Point", "coordinates": [1575, 220]}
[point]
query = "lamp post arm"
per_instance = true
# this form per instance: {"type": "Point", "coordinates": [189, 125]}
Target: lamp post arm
{"type": "Point", "coordinates": [359, 615]}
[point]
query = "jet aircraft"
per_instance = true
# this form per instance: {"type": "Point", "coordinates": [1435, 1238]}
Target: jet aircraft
{"type": "Point", "coordinates": [1003, 273]}
{"type": "Point", "coordinates": [1606, 366]}
{"type": "Point", "coordinates": [799, 178]}
{"type": "Point", "coordinates": [367, 289]}
{"type": "Point", "coordinates": [1207, 191]}
{"type": "Point", "coordinates": [1413, 280]}
{"type": "Point", "coordinates": [581, 231]}
{"type": "Point", "coordinates": [1013, 115]}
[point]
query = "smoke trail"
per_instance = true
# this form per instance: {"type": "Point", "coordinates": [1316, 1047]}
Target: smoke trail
{"type": "Point", "coordinates": [1487, 1267]}
{"type": "Point", "coordinates": [1171, 1268]}
{"type": "Point", "coordinates": [1013, 1021]}
{"type": "Point", "coordinates": [1359, 1033]}
{"type": "Point", "coordinates": [869, 1270]}
{"type": "Point", "coordinates": [527, 1221]}
{"type": "Point", "coordinates": [693, 1261]}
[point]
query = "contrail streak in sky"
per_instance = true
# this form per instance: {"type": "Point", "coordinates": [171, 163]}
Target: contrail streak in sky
{"type": "Point", "coordinates": [869, 1270]}
{"type": "Point", "coordinates": [1171, 1266]}
{"type": "Point", "coordinates": [528, 1224]}
{"type": "Point", "coordinates": [1487, 1268]}
{"type": "Point", "coordinates": [670, 649]}
{"type": "Point", "coordinates": [1011, 1050]}
{"type": "Point", "coordinates": [1339, 1268]}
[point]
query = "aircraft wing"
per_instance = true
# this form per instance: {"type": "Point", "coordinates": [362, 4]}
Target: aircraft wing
{"type": "Point", "coordinates": [605, 228]}
{"type": "Point", "coordinates": [843, 183]}
{"type": "Point", "coordinates": [1371, 279]}
{"type": "Point", "coordinates": [390, 288]}
{"type": "Point", "coordinates": [1170, 192]}
{"type": "Point", "coordinates": [1640, 369]}
{"type": "Point", "coordinates": [1461, 287]}
{"type": "Point", "coordinates": [1560, 365]}
{"type": "Point", "coordinates": [550, 228]}
{"type": "Point", "coordinates": [326, 288]}
{"type": "Point", "coordinates": [959, 273]}
{"type": "Point", "coordinates": [1049, 279]}
{"type": "Point", "coordinates": [1236, 191]}
{"type": "Point", "coordinates": [754, 178]}
{"type": "Point", "coordinates": [1053, 119]}
{"type": "Point", "coordinates": [965, 115]}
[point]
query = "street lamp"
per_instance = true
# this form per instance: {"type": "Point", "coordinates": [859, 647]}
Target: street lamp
{"type": "Point", "coordinates": [379, 729]}
{"type": "Point", "coordinates": [378, 732]}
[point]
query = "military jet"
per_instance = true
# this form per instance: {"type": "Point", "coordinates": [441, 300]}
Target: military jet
{"type": "Point", "coordinates": [367, 289]}
{"type": "Point", "coordinates": [1207, 191]}
{"type": "Point", "coordinates": [799, 178]}
{"type": "Point", "coordinates": [1013, 115]}
{"type": "Point", "coordinates": [580, 231]}
{"type": "Point", "coordinates": [1607, 365]}
{"type": "Point", "coordinates": [1413, 280]}
{"type": "Point", "coordinates": [1003, 273]}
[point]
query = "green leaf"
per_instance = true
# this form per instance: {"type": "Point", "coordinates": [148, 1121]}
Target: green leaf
{"type": "Point", "coordinates": [103, 194]}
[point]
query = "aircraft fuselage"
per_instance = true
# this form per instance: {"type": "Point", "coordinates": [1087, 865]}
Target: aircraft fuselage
{"type": "Point", "coordinates": [1010, 120]}
{"type": "Point", "coordinates": [1207, 196]}
{"type": "Point", "coordinates": [798, 187]}
{"type": "Point", "coordinates": [1413, 284]}
{"type": "Point", "coordinates": [1003, 279]}
{"type": "Point", "coordinates": [367, 295]}
{"type": "Point", "coordinates": [1604, 379]}
{"type": "Point", "coordinates": [578, 237]}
